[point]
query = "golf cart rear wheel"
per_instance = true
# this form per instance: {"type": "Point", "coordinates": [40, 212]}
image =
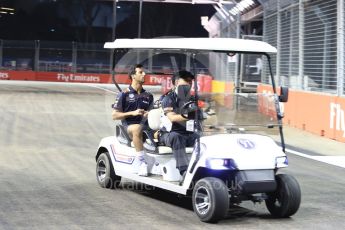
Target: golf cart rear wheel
{"type": "Point", "coordinates": [210, 199]}
{"type": "Point", "coordinates": [285, 201]}
{"type": "Point", "coordinates": [105, 173]}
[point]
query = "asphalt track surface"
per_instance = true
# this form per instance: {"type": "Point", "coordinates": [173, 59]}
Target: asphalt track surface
{"type": "Point", "coordinates": [49, 134]}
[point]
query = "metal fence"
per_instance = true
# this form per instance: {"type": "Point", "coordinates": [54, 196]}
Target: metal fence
{"type": "Point", "coordinates": [54, 56]}
{"type": "Point", "coordinates": [341, 45]}
{"type": "Point", "coordinates": [288, 61]}
{"type": "Point", "coordinates": [320, 45]}
{"type": "Point", "coordinates": [88, 58]}
{"type": "Point", "coordinates": [309, 35]}
{"type": "Point", "coordinates": [226, 69]}
{"type": "Point", "coordinates": [270, 32]}
{"type": "Point", "coordinates": [251, 65]}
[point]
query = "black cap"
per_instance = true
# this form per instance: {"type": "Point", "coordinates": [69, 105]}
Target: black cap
{"type": "Point", "coordinates": [184, 74]}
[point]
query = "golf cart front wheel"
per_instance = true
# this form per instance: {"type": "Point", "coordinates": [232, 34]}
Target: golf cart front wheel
{"type": "Point", "coordinates": [285, 201]}
{"type": "Point", "coordinates": [105, 173]}
{"type": "Point", "coordinates": [210, 199]}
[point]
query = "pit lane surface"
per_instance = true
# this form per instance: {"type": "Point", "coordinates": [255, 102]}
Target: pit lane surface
{"type": "Point", "coordinates": [49, 134]}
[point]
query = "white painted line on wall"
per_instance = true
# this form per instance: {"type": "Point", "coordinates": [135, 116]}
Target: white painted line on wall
{"type": "Point", "coordinates": [332, 160]}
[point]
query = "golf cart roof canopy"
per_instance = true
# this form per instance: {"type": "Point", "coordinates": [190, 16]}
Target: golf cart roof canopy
{"type": "Point", "coordinates": [206, 44]}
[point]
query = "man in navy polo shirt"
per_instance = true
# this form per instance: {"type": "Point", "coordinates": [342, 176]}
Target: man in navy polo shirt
{"type": "Point", "coordinates": [132, 109]}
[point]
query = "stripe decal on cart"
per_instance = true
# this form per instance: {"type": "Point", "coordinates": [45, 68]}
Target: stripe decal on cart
{"type": "Point", "coordinates": [122, 158]}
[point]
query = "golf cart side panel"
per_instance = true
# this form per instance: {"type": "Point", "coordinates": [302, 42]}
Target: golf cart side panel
{"type": "Point", "coordinates": [109, 144]}
{"type": "Point", "coordinates": [120, 154]}
{"type": "Point", "coordinates": [105, 145]}
{"type": "Point", "coordinates": [173, 187]}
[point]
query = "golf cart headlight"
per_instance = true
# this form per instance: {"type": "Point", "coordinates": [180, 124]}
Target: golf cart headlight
{"type": "Point", "coordinates": [281, 162]}
{"type": "Point", "coordinates": [221, 164]}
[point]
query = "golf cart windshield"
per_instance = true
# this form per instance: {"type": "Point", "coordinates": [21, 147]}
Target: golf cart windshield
{"type": "Point", "coordinates": [240, 113]}
{"type": "Point", "coordinates": [221, 67]}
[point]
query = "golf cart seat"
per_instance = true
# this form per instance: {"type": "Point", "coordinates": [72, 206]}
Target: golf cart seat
{"type": "Point", "coordinates": [152, 145]}
{"type": "Point", "coordinates": [122, 135]}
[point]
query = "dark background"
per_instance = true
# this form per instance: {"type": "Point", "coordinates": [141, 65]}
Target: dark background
{"type": "Point", "coordinates": [90, 21]}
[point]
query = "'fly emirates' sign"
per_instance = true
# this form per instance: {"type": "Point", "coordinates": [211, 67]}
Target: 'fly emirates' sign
{"type": "Point", "coordinates": [78, 78]}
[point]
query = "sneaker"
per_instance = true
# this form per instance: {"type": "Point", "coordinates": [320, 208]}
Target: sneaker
{"type": "Point", "coordinates": [143, 169]}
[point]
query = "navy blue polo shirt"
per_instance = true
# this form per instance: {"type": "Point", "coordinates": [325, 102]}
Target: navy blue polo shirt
{"type": "Point", "coordinates": [131, 101]}
{"type": "Point", "coordinates": [171, 100]}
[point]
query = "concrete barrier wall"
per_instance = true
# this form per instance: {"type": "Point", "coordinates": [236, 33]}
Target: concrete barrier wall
{"type": "Point", "coordinates": [318, 113]}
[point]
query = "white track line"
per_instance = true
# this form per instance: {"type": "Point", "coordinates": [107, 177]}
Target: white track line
{"type": "Point", "coordinates": [332, 160]}
{"type": "Point", "coordinates": [151, 88]}
{"type": "Point", "coordinates": [98, 87]}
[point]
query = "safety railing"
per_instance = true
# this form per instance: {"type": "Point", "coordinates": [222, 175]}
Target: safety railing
{"type": "Point", "coordinates": [309, 36]}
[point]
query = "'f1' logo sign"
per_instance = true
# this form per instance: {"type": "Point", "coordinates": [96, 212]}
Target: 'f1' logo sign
{"type": "Point", "coordinates": [337, 118]}
{"type": "Point", "coordinates": [245, 143]}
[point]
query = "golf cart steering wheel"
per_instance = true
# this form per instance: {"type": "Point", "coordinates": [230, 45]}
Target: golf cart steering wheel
{"type": "Point", "coordinates": [187, 108]}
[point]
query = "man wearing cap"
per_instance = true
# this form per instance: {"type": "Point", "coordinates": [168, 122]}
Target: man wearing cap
{"type": "Point", "coordinates": [176, 136]}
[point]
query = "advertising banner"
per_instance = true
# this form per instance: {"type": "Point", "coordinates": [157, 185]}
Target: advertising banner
{"type": "Point", "coordinates": [75, 77]}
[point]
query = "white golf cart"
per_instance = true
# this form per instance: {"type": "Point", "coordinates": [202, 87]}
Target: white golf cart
{"type": "Point", "coordinates": [236, 157]}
